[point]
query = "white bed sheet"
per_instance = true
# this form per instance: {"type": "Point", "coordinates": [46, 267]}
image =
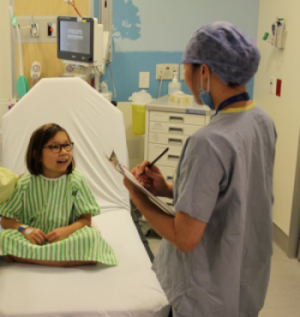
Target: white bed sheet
{"type": "Point", "coordinates": [96, 127]}
{"type": "Point", "coordinates": [129, 289]}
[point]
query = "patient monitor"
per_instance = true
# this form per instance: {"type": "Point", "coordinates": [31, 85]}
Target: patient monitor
{"type": "Point", "coordinates": [83, 43]}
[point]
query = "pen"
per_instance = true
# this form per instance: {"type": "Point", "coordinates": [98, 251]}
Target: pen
{"type": "Point", "coordinates": [152, 163]}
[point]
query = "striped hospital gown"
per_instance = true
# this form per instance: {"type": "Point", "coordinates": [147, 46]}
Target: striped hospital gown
{"type": "Point", "coordinates": [48, 204]}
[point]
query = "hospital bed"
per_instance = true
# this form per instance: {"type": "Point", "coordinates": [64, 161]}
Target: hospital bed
{"type": "Point", "coordinates": [96, 127]}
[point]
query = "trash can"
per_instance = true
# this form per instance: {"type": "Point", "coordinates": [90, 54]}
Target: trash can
{"type": "Point", "coordinates": [139, 101]}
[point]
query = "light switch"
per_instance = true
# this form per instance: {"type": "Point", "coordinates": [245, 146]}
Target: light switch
{"type": "Point", "coordinates": [144, 81]}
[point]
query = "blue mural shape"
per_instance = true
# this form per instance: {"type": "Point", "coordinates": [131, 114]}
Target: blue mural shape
{"type": "Point", "coordinates": [126, 21]}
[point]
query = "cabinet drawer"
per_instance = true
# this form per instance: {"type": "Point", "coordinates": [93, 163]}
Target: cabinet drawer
{"type": "Point", "coordinates": [167, 139]}
{"type": "Point", "coordinates": [168, 172]}
{"type": "Point", "coordinates": [183, 118]}
{"type": "Point", "coordinates": [169, 159]}
{"type": "Point", "coordinates": [171, 128]}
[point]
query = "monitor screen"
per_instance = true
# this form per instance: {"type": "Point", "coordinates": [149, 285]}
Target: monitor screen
{"type": "Point", "coordinates": [75, 37]}
{"type": "Point", "coordinates": [75, 40]}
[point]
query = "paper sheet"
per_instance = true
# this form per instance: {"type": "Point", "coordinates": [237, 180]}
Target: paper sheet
{"type": "Point", "coordinates": [118, 166]}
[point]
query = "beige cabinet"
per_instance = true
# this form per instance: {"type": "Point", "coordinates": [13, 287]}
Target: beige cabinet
{"type": "Point", "coordinates": [169, 124]}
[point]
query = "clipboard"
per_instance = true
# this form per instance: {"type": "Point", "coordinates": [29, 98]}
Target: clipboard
{"type": "Point", "coordinates": [122, 170]}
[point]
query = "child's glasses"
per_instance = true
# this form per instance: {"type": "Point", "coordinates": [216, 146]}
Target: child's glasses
{"type": "Point", "coordinates": [58, 147]}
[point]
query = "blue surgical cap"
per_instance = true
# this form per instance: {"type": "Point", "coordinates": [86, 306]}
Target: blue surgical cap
{"type": "Point", "coordinates": [229, 53]}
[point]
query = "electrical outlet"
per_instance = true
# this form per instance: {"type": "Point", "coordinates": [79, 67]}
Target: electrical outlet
{"type": "Point", "coordinates": [166, 70]}
{"type": "Point", "coordinates": [182, 72]}
{"type": "Point", "coordinates": [35, 30]}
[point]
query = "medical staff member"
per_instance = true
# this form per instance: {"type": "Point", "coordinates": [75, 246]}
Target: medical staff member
{"type": "Point", "coordinates": [215, 257]}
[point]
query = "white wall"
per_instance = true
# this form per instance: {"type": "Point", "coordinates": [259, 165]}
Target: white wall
{"type": "Point", "coordinates": [285, 110]}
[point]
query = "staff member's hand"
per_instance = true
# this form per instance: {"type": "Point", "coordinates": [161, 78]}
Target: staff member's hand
{"type": "Point", "coordinates": [34, 235]}
{"type": "Point", "coordinates": [152, 179]}
{"type": "Point", "coordinates": [133, 190]}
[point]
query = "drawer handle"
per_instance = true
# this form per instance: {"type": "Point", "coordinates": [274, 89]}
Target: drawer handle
{"type": "Point", "coordinates": [176, 119]}
{"type": "Point", "coordinates": [174, 141]}
{"type": "Point", "coordinates": [169, 178]}
{"type": "Point", "coordinates": [173, 157]}
{"type": "Point", "coordinates": [170, 204]}
{"type": "Point", "coordinates": [176, 130]}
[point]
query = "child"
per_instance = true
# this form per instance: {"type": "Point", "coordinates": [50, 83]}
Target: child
{"type": "Point", "coordinates": [47, 220]}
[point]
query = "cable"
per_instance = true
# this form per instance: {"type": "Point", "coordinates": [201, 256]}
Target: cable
{"type": "Point", "coordinates": [25, 27]}
{"type": "Point", "coordinates": [112, 78]}
{"type": "Point", "coordinates": [75, 8]}
{"type": "Point", "coordinates": [96, 73]}
{"type": "Point", "coordinates": [159, 90]}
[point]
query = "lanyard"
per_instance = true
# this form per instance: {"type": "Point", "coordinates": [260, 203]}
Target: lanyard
{"type": "Point", "coordinates": [241, 97]}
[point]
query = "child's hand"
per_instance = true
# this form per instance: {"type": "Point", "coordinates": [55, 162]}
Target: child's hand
{"type": "Point", "coordinates": [58, 234]}
{"type": "Point", "coordinates": [34, 235]}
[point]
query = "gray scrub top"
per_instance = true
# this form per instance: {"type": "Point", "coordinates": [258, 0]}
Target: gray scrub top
{"type": "Point", "coordinates": [224, 178]}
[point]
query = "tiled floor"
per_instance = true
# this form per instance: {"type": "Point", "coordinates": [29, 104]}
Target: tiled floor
{"type": "Point", "coordinates": [283, 297]}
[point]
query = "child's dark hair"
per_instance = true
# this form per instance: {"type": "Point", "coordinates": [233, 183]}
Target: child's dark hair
{"type": "Point", "coordinates": [38, 139]}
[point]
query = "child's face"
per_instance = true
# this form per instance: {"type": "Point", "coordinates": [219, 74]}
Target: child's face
{"type": "Point", "coordinates": [56, 164]}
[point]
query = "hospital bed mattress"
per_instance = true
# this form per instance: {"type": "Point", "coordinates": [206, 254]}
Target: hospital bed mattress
{"type": "Point", "coordinates": [129, 289]}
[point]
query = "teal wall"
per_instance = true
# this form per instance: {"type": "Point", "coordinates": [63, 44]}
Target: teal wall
{"type": "Point", "coordinates": [153, 32]}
